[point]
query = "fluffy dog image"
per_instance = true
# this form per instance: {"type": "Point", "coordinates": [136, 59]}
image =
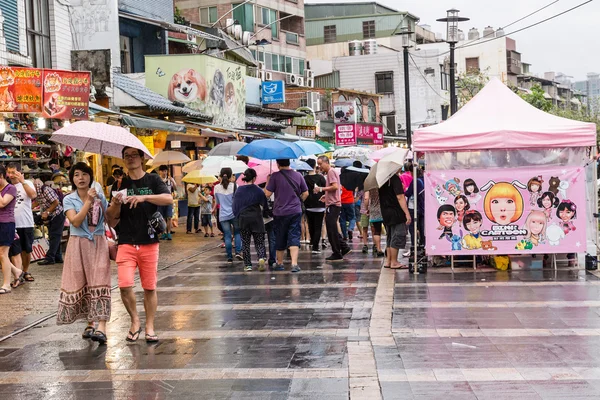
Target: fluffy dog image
{"type": "Point", "coordinates": [217, 91]}
{"type": "Point", "coordinates": [230, 101]}
{"type": "Point", "coordinates": [186, 86]}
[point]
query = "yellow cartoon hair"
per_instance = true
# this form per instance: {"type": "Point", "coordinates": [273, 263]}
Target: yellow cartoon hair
{"type": "Point", "coordinates": [506, 190]}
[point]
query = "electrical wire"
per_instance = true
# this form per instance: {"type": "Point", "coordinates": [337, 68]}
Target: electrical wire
{"type": "Point", "coordinates": [513, 32]}
{"type": "Point", "coordinates": [425, 78]}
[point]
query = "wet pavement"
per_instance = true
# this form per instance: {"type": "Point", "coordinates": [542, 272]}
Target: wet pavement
{"type": "Point", "coordinates": [332, 331]}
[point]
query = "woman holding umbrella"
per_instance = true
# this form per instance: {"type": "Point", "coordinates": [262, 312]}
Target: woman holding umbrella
{"type": "Point", "coordinates": [224, 199]}
{"type": "Point", "coordinates": [249, 207]}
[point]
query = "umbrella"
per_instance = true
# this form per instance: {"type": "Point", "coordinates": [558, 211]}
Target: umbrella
{"type": "Point", "coordinates": [300, 166]}
{"type": "Point", "coordinates": [192, 166]}
{"type": "Point", "coordinates": [262, 172]}
{"type": "Point", "coordinates": [215, 169]}
{"type": "Point", "coordinates": [226, 149]}
{"type": "Point", "coordinates": [199, 177]}
{"type": "Point", "coordinates": [108, 140]}
{"type": "Point", "coordinates": [359, 153]}
{"type": "Point", "coordinates": [271, 149]}
{"type": "Point", "coordinates": [309, 148]}
{"type": "Point", "coordinates": [343, 162]}
{"type": "Point", "coordinates": [169, 157]}
{"type": "Point", "coordinates": [328, 146]}
{"type": "Point", "coordinates": [359, 170]}
{"type": "Point", "coordinates": [385, 169]}
{"type": "Point", "coordinates": [352, 179]}
{"type": "Point", "coordinates": [379, 154]}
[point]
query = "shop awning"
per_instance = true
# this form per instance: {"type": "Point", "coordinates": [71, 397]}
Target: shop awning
{"type": "Point", "coordinates": [152, 99]}
{"type": "Point", "coordinates": [290, 138]}
{"type": "Point", "coordinates": [151, 123]}
{"type": "Point", "coordinates": [96, 109]}
{"type": "Point", "coordinates": [169, 26]}
{"type": "Point", "coordinates": [254, 121]}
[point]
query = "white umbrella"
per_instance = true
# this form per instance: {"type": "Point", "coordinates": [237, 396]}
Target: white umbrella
{"type": "Point", "coordinates": [226, 149]}
{"type": "Point", "coordinates": [385, 169]}
{"type": "Point", "coordinates": [98, 138]}
{"type": "Point", "coordinates": [236, 166]}
{"type": "Point", "coordinates": [192, 166]}
{"type": "Point", "coordinates": [169, 157]}
{"type": "Point", "coordinates": [358, 153]}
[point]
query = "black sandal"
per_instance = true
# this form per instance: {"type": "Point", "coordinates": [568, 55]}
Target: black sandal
{"type": "Point", "coordinates": [151, 338]}
{"type": "Point", "coordinates": [88, 332]}
{"type": "Point", "coordinates": [19, 281]}
{"type": "Point", "coordinates": [99, 337]}
{"type": "Point", "coordinates": [132, 337]}
{"type": "Point", "coordinates": [4, 291]}
{"type": "Point", "coordinates": [28, 277]}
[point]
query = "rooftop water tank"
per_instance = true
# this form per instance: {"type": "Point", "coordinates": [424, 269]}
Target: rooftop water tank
{"type": "Point", "coordinates": [473, 34]}
{"type": "Point", "coordinates": [489, 32]}
{"type": "Point", "coordinates": [500, 32]}
{"type": "Point", "coordinates": [461, 36]}
{"type": "Point", "coordinates": [355, 48]}
{"type": "Point", "coordinates": [370, 46]}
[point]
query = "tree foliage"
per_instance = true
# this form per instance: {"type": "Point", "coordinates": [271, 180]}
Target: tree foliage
{"type": "Point", "coordinates": [536, 98]}
{"type": "Point", "coordinates": [468, 84]}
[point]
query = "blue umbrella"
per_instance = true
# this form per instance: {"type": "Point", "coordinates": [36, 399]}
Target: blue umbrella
{"type": "Point", "coordinates": [271, 149]}
{"type": "Point", "coordinates": [344, 162]}
{"type": "Point", "coordinates": [300, 166]}
{"type": "Point", "coordinates": [310, 148]}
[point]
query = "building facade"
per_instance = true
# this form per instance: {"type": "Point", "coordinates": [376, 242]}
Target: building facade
{"type": "Point", "coordinates": [591, 89]}
{"type": "Point", "coordinates": [280, 22]}
{"type": "Point", "coordinates": [330, 27]}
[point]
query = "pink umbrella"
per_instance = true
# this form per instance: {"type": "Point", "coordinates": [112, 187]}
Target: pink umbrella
{"type": "Point", "coordinates": [262, 172]}
{"type": "Point", "coordinates": [98, 138]}
{"type": "Point", "coordinates": [379, 154]}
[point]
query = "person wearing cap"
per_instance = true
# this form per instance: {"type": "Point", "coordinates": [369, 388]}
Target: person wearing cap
{"type": "Point", "coordinates": [249, 207]}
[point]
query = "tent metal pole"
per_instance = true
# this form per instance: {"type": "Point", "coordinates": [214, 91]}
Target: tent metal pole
{"type": "Point", "coordinates": [414, 232]}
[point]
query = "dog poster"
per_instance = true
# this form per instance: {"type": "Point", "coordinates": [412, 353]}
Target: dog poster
{"type": "Point", "coordinates": [505, 211]}
{"type": "Point", "coordinates": [20, 90]}
{"type": "Point", "coordinates": [66, 94]}
{"type": "Point", "coordinates": [210, 85]}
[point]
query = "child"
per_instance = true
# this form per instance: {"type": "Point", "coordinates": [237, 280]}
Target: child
{"type": "Point", "coordinates": [206, 211]}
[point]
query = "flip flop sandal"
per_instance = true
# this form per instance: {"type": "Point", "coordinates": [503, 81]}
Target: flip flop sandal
{"type": "Point", "coordinates": [132, 337]}
{"type": "Point", "coordinates": [401, 266]}
{"type": "Point", "coordinates": [5, 291]}
{"type": "Point", "coordinates": [88, 332]}
{"type": "Point", "coordinates": [28, 277]}
{"type": "Point", "coordinates": [99, 337]}
{"type": "Point", "coordinates": [386, 266]}
{"type": "Point", "coordinates": [151, 338]}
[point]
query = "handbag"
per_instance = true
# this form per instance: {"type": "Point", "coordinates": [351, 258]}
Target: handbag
{"type": "Point", "coordinates": [156, 221]}
{"type": "Point", "coordinates": [112, 239]}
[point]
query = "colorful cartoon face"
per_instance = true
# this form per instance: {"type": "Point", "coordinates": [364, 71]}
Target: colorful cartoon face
{"type": "Point", "coordinates": [536, 226]}
{"type": "Point", "coordinates": [566, 214]}
{"type": "Point", "coordinates": [503, 209]}
{"type": "Point", "coordinates": [534, 187]}
{"type": "Point", "coordinates": [459, 204]}
{"type": "Point", "coordinates": [473, 226]}
{"type": "Point", "coordinates": [503, 203]}
{"type": "Point", "coordinates": [470, 188]}
{"type": "Point", "coordinates": [447, 218]}
{"type": "Point", "coordinates": [546, 202]}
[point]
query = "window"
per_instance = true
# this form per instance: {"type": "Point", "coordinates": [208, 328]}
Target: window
{"type": "Point", "coordinates": [368, 29]}
{"type": "Point", "coordinates": [267, 16]}
{"type": "Point", "coordinates": [288, 65]}
{"type": "Point", "coordinates": [301, 71]}
{"type": "Point", "coordinates": [268, 61]}
{"type": "Point", "coordinates": [444, 80]}
{"type": "Point", "coordinates": [359, 110]}
{"type": "Point", "coordinates": [372, 111]}
{"type": "Point", "coordinates": [341, 98]}
{"type": "Point", "coordinates": [291, 38]}
{"type": "Point", "coordinates": [126, 65]}
{"type": "Point", "coordinates": [295, 66]}
{"type": "Point", "coordinates": [38, 33]}
{"type": "Point", "coordinates": [245, 15]}
{"type": "Point", "coordinates": [261, 56]}
{"type": "Point", "coordinates": [275, 59]}
{"type": "Point", "coordinates": [208, 15]}
{"type": "Point", "coordinates": [384, 82]}
{"type": "Point", "coordinates": [472, 64]}
{"type": "Point", "coordinates": [330, 33]}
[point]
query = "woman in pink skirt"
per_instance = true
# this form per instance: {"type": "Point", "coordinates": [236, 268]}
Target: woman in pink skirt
{"type": "Point", "coordinates": [85, 287]}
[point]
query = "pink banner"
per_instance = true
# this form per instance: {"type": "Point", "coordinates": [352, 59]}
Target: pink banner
{"type": "Point", "coordinates": [505, 211]}
{"type": "Point", "coordinates": [371, 133]}
{"type": "Point", "coordinates": [345, 134]}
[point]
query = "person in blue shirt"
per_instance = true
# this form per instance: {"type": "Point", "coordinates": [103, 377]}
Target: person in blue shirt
{"type": "Point", "coordinates": [85, 285]}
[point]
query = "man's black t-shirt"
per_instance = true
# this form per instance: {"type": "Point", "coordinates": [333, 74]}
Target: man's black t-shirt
{"type": "Point", "coordinates": [312, 201]}
{"type": "Point", "coordinates": [390, 208]}
{"type": "Point", "coordinates": [133, 226]}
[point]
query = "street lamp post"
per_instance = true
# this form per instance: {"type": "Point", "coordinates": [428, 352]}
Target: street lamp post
{"type": "Point", "coordinates": [452, 19]}
{"type": "Point", "coordinates": [405, 33]}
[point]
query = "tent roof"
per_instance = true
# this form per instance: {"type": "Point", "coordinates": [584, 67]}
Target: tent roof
{"type": "Point", "coordinates": [497, 118]}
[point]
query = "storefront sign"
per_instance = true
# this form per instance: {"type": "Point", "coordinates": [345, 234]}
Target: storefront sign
{"type": "Point", "coordinates": [308, 120]}
{"type": "Point", "coordinates": [20, 90]}
{"type": "Point", "coordinates": [370, 133]}
{"type": "Point", "coordinates": [306, 131]}
{"type": "Point", "coordinates": [505, 211]}
{"type": "Point", "coordinates": [211, 85]}
{"type": "Point", "coordinates": [66, 94]}
{"type": "Point", "coordinates": [345, 134]}
{"type": "Point", "coordinates": [343, 113]}
{"type": "Point", "coordinates": [53, 93]}
{"type": "Point", "coordinates": [273, 92]}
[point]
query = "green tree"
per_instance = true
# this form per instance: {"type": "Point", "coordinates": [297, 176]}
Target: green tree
{"type": "Point", "coordinates": [536, 98]}
{"type": "Point", "coordinates": [469, 83]}
{"type": "Point", "coordinates": [180, 19]}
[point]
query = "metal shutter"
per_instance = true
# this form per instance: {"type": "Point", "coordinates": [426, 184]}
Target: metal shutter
{"type": "Point", "coordinates": [11, 23]}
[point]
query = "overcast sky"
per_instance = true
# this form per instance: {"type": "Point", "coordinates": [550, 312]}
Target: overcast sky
{"type": "Point", "coordinates": [567, 44]}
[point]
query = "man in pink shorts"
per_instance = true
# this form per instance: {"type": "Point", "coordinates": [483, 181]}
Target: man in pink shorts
{"type": "Point", "coordinates": [138, 243]}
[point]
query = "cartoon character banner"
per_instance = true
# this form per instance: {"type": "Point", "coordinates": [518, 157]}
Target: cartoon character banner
{"type": "Point", "coordinates": [505, 211]}
{"type": "Point", "coordinates": [66, 94]}
{"type": "Point", "coordinates": [20, 90]}
{"type": "Point", "coordinates": [210, 85]}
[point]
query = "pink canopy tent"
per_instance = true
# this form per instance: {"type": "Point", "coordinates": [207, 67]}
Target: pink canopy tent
{"type": "Point", "coordinates": [497, 118]}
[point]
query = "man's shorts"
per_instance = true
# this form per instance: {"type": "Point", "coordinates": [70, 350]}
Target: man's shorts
{"type": "Point", "coordinates": [287, 231]}
{"type": "Point", "coordinates": [396, 236]}
{"type": "Point", "coordinates": [23, 244]}
{"type": "Point", "coordinates": [207, 220]}
{"type": "Point", "coordinates": [166, 211]}
{"type": "Point", "coordinates": [145, 258]}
